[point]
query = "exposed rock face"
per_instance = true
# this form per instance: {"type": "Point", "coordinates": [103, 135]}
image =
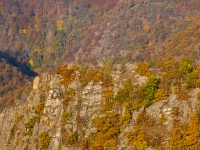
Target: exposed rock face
{"type": "Point", "coordinates": [49, 91]}
{"type": "Point", "coordinates": [45, 104]}
{"type": "Point", "coordinates": [46, 88]}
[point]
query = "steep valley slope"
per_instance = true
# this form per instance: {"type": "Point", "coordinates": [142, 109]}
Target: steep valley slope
{"type": "Point", "coordinates": [86, 117]}
{"type": "Point", "coordinates": [106, 74]}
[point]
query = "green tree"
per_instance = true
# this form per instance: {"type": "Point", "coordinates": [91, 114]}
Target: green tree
{"type": "Point", "coordinates": [185, 66]}
{"type": "Point", "coordinates": [149, 89]}
{"type": "Point", "coordinates": [191, 79]}
{"type": "Point", "coordinates": [124, 92]}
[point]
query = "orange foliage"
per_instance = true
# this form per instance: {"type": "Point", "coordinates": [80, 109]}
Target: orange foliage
{"type": "Point", "coordinates": [68, 74]}
{"type": "Point", "coordinates": [142, 117]}
{"type": "Point", "coordinates": [143, 69]}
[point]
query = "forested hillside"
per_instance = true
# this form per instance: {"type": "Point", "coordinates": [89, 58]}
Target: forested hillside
{"type": "Point", "coordinates": [15, 84]}
{"type": "Point", "coordinates": [45, 34]}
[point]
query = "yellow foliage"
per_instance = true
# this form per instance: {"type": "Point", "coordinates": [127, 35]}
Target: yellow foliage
{"type": "Point", "coordinates": [31, 62]}
{"type": "Point", "coordinates": [67, 115]}
{"type": "Point", "coordinates": [188, 19]}
{"type": "Point", "coordinates": [136, 104]}
{"type": "Point", "coordinates": [146, 27]}
{"type": "Point", "coordinates": [72, 138]}
{"type": "Point", "coordinates": [150, 44]}
{"type": "Point", "coordinates": [47, 121]}
{"type": "Point", "coordinates": [68, 74]}
{"type": "Point", "coordinates": [107, 128]}
{"type": "Point", "coordinates": [55, 62]}
{"type": "Point", "coordinates": [142, 117]}
{"type": "Point", "coordinates": [126, 118]}
{"type": "Point", "coordinates": [192, 133]}
{"type": "Point", "coordinates": [160, 95]}
{"type": "Point", "coordinates": [187, 137]}
{"type": "Point", "coordinates": [17, 142]}
{"type": "Point", "coordinates": [60, 24]}
{"type": "Point", "coordinates": [143, 69]}
{"type": "Point", "coordinates": [137, 138]}
{"type": "Point", "coordinates": [108, 93]}
{"type": "Point", "coordinates": [39, 108]}
{"type": "Point", "coordinates": [45, 139]}
{"type": "Point", "coordinates": [49, 50]}
{"type": "Point", "coordinates": [37, 49]}
{"type": "Point", "coordinates": [177, 140]}
{"type": "Point", "coordinates": [22, 31]}
{"type": "Point", "coordinates": [107, 106]}
{"type": "Point", "coordinates": [17, 118]}
{"type": "Point", "coordinates": [182, 95]}
{"type": "Point", "coordinates": [90, 74]}
{"type": "Point", "coordinates": [168, 64]}
{"type": "Point", "coordinates": [107, 88]}
{"type": "Point", "coordinates": [198, 94]}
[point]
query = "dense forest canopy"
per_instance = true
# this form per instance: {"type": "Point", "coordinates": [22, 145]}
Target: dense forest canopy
{"type": "Point", "coordinates": [49, 33]}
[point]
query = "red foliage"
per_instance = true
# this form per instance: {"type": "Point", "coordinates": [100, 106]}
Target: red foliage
{"type": "Point", "coordinates": [23, 22]}
{"type": "Point", "coordinates": [34, 34]}
{"type": "Point", "coordinates": [111, 4]}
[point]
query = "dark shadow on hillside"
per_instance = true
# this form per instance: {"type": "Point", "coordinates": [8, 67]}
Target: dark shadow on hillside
{"type": "Point", "coordinates": [21, 66]}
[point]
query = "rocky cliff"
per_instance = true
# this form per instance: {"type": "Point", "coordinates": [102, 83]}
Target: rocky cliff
{"type": "Point", "coordinates": [48, 121]}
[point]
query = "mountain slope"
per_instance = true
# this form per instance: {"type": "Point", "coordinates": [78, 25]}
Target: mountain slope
{"type": "Point", "coordinates": [92, 113]}
{"type": "Point", "coordinates": [14, 84]}
{"type": "Point", "coordinates": [51, 33]}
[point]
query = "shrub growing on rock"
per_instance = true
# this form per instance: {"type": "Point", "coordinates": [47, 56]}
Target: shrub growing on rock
{"type": "Point", "coordinates": [198, 94]}
{"type": "Point", "coordinates": [39, 108]}
{"type": "Point", "coordinates": [66, 115]}
{"type": "Point", "coordinates": [30, 125]}
{"type": "Point", "coordinates": [72, 138]}
{"type": "Point", "coordinates": [45, 139]}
